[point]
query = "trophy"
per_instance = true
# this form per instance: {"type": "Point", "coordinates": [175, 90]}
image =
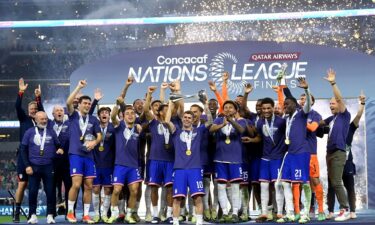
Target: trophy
{"type": "Point", "coordinates": [281, 73]}
{"type": "Point", "coordinates": [87, 137]}
{"type": "Point", "coordinates": [201, 96]}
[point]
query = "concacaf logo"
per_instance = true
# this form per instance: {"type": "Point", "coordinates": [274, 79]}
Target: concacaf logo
{"type": "Point", "coordinates": [216, 71]}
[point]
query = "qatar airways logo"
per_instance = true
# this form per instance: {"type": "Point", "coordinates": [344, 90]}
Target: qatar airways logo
{"type": "Point", "coordinates": [260, 69]}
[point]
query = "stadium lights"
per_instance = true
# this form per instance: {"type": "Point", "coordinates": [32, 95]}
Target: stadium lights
{"type": "Point", "coordinates": [188, 19]}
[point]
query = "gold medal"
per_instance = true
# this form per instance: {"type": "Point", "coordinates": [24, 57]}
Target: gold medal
{"type": "Point", "coordinates": [166, 146]}
{"type": "Point", "coordinates": [41, 152]}
{"type": "Point", "coordinates": [188, 152]}
{"type": "Point", "coordinates": [287, 141]}
{"type": "Point", "coordinates": [81, 138]}
{"type": "Point", "coordinates": [227, 141]}
{"type": "Point", "coordinates": [101, 148]}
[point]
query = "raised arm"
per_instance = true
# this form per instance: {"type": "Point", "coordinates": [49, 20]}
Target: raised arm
{"type": "Point", "coordinates": [98, 95]}
{"type": "Point", "coordinates": [217, 95]}
{"type": "Point", "coordinates": [129, 82]}
{"type": "Point", "coordinates": [38, 98]}
{"type": "Point", "coordinates": [357, 118]}
{"type": "Point", "coordinates": [303, 84]}
{"type": "Point", "coordinates": [176, 88]}
{"type": "Point", "coordinates": [69, 102]}
{"type": "Point", "coordinates": [114, 113]}
{"type": "Point", "coordinates": [148, 115]}
{"type": "Point", "coordinates": [21, 114]}
{"type": "Point", "coordinates": [207, 112]}
{"type": "Point", "coordinates": [168, 117]}
{"type": "Point", "coordinates": [247, 90]}
{"type": "Point", "coordinates": [224, 89]}
{"type": "Point", "coordinates": [163, 87]}
{"type": "Point", "coordinates": [331, 78]}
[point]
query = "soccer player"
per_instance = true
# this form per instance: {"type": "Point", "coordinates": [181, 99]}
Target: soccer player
{"type": "Point", "coordinates": [349, 168]}
{"type": "Point", "coordinates": [104, 155]}
{"type": "Point", "coordinates": [296, 164]}
{"type": "Point", "coordinates": [161, 157]}
{"type": "Point", "coordinates": [85, 134]}
{"type": "Point", "coordinates": [271, 131]}
{"type": "Point", "coordinates": [126, 171]}
{"type": "Point", "coordinates": [313, 120]}
{"type": "Point", "coordinates": [228, 156]}
{"type": "Point", "coordinates": [187, 167]}
{"type": "Point", "coordinates": [336, 146]}
{"type": "Point", "coordinates": [38, 149]}
{"type": "Point", "coordinates": [26, 121]}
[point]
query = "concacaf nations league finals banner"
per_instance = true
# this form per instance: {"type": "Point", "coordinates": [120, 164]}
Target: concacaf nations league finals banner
{"type": "Point", "coordinates": [257, 63]}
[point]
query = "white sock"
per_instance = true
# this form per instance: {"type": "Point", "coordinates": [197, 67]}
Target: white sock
{"type": "Point", "coordinates": [222, 195]}
{"type": "Point", "coordinates": [106, 204]}
{"type": "Point", "coordinates": [169, 212]}
{"type": "Point", "coordinates": [121, 206]}
{"type": "Point", "coordinates": [264, 196]}
{"type": "Point", "coordinates": [71, 206]}
{"type": "Point", "coordinates": [236, 198]}
{"type": "Point", "coordinates": [228, 190]}
{"type": "Point", "coordinates": [96, 203]}
{"type": "Point", "coordinates": [206, 183]}
{"type": "Point", "coordinates": [114, 211]}
{"type": "Point", "coordinates": [182, 211]}
{"type": "Point", "coordinates": [199, 219]}
{"type": "Point", "coordinates": [155, 211]}
{"type": "Point", "coordinates": [86, 209]}
{"type": "Point", "coordinates": [148, 199]}
{"type": "Point", "coordinates": [129, 212]}
{"type": "Point", "coordinates": [288, 197]}
{"type": "Point", "coordinates": [136, 207]}
{"type": "Point", "coordinates": [279, 197]}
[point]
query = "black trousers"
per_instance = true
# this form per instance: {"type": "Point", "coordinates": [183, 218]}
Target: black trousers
{"type": "Point", "coordinates": [44, 173]}
{"type": "Point", "coordinates": [62, 174]}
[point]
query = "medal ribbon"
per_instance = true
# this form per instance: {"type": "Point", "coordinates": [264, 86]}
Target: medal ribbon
{"type": "Point", "coordinates": [289, 122]}
{"type": "Point", "coordinates": [41, 139]}
{"type": "Point", "coordinates": [270, 128]}
{"type": "Point", "coordinates": [83, 124]}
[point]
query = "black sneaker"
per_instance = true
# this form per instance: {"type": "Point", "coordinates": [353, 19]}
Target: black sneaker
{"type": "Point", "coordinates": [169, 220]}
{"type": "Point", "coordinates": [155, 220]}
{"type": "Point", "coordinates": [16, 218]}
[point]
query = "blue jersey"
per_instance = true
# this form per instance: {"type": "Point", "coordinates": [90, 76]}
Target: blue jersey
{"type": "Point", "coordinates": [298, 133]}
{"type": "Point", "coordinates": [76, 146]}
{"type": "Point", "coordinates": [159, 150]}
{"type": "Point", "coordinates": [272, 149]}
{"type": "Point", "coordinates": [186, 158]}
{"type": "Point", "coordinates": [104, 156]}
{"type": "Point", "coordinates": [339, 127]}
{"type": "Point", "coordinates": [228, 151]}
{"type": "Point", "coordinates": [127, 149]}
{"type": "Point", "coordinates": [32, 143]}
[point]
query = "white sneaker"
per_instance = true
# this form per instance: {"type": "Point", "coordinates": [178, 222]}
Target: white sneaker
{"type": "Point", "coordinates": [50, 219]}
{"type": "Point", "coordinates": [343, 215]}
{"type": "Point", "coordinates": [353, 215]}
{"type": "Point", "coordinates": [33, 219]}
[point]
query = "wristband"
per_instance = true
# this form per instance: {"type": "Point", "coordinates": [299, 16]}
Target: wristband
{"type": "Point", "coordinates": [363, 103]}
{"type": "Point", "coordinates": [333, 83]}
